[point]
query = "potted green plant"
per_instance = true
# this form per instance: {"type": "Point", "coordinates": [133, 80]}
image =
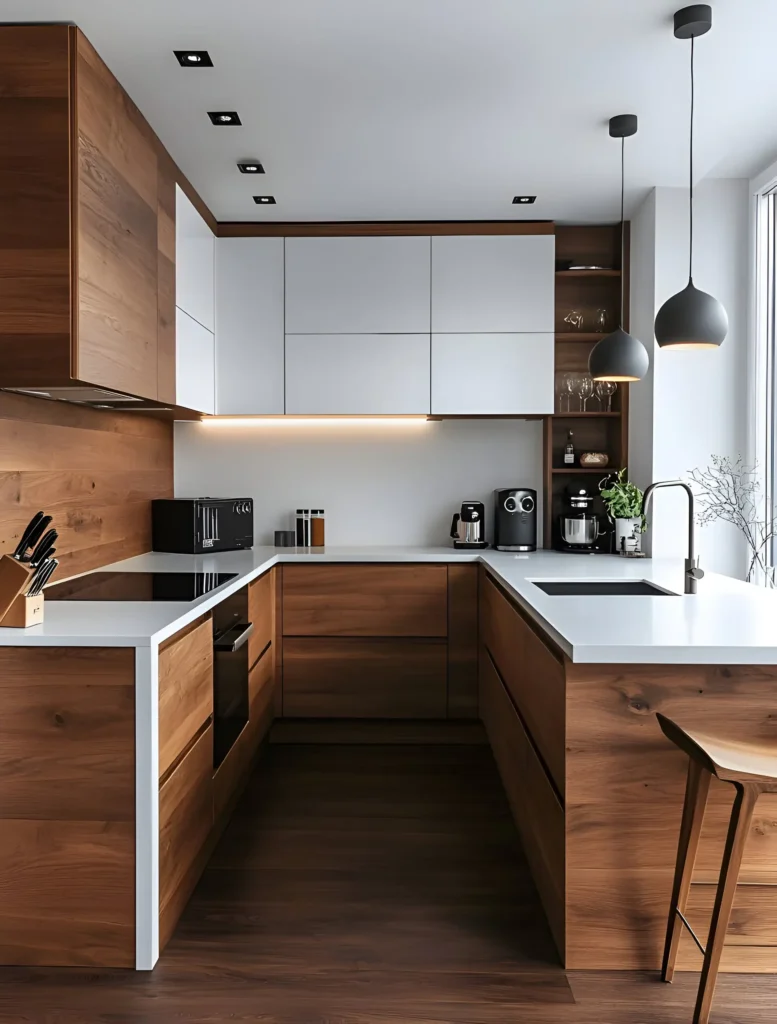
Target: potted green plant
{"type": "Point", "coordinates": [623, 501]}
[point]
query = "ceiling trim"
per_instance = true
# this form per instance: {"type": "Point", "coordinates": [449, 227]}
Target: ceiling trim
{"type": "Point", "coordinates": [297, 229]}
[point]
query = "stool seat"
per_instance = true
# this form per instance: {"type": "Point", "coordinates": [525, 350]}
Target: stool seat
{"type": "Point", "coordinates": [751, 768]}
{"type": "Point", "coordinates": [729, 760]}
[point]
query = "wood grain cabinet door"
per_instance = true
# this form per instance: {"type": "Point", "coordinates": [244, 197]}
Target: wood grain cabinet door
{"type": "Point", "coordinates": [185, 821]}
{"type": "Point", "coordinates": [347, 677]}
{"type": "Point", "coordinates": [365, 600]}
{"type": "Point", "coordinates": [261, 612]}
{"type": "Point", "coordinates": [116, 243]}
{"type": "Point", "coordinates": [533, 674]}
{"type": "Point", "coordinates": [185, 690]}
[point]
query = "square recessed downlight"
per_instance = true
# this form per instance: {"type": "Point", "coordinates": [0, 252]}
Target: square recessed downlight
{"type": "Point", "coordinates": [524, 199]}
{"type": "Point", "coordinates": [264, 200]}
{"type": "Point", "coordinates": [250, 167]}
{"type": "Point", "coordinates": [224, 117]}
{"type": "Point", "coordinates": [193, 58]}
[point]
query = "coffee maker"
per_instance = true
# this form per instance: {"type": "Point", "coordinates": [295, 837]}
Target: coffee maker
{"type": "Point", "coordinates": [515, 519]}
{"type": "Point", "coordinates": [579, 527]}
{"type": "Point", "coordinates": [468, 526]}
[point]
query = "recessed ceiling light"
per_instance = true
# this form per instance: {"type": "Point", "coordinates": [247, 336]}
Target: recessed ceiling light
{"type": "Point", "coordinates": [250, 167]}
{"type": "Point", "coordinates": [524, 199]}
{"type": "Point", "coordinates": [224, 117]}
{"type": "Point", "coordinates": [193, 58]}
{"type": "Point", "coordinates": [264, 200]}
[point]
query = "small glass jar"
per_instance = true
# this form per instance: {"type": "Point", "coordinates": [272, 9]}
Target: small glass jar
{"type": "Point", "coordinates": [317, 531]}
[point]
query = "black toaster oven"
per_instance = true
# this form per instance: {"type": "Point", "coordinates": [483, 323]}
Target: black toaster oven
{"type": "Point", "coordinates": [196, 526]}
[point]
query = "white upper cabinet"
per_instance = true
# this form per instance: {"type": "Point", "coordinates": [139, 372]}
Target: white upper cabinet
{"type": "Point", "coordinates": [357, 374]}
{"type": "Point", "coordinates": [194, 262]}
{"type": "Point", "coordinates": [194, 365]}
{"type": "Point", "coordinates": [493, 283]}
{"type": "Point", "coordinates": [492, 374]}
{"type": "Point", "coordinates": [352, 285]}
{"type": "Point", "coordinates": [249, 326]}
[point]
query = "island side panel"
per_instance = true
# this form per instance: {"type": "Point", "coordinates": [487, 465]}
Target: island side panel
{"type": "Point", "coordinates": [625, 786]}
{"type": "Point", "coordinates": [67, 806]}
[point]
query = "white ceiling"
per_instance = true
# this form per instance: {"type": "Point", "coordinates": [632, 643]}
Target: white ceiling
{"type": "Point", "coordinates": [439, 109]}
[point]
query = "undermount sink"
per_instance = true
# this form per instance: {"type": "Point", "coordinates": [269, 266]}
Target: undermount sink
{"type": "Point", "coordinates": [601, 588]}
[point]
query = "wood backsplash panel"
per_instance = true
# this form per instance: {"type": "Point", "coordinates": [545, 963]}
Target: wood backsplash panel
{"type": "Point", "coordinates": [95, 471]}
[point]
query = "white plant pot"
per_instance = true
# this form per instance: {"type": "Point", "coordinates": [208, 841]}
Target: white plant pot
{"type": "Point", "coordinates": [628, 534]}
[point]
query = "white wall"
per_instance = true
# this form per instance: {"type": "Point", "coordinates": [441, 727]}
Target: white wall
{"type": "Point", "coordinates": [695, 403]}
{"type": "Point", "coordinates": [379, 485]}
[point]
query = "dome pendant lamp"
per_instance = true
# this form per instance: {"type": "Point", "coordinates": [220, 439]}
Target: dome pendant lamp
{"type": "Point", "coordinates": [619, 356]}
{"type": "Point", "coordinates": [691, 319]}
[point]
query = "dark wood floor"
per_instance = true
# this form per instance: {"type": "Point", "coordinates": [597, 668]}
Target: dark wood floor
{"type": "Point", "coordinates": [368, 885]}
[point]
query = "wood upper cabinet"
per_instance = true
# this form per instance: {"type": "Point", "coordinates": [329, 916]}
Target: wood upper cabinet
{"type": "Point", "coordinates": [357, 374]}
{"type": "Point", "coordinates": [493, 284]}
{"type": "Point", "coordinates": [354, 285]}
{"type": "Point", "coordinates": [492, 374]}
{"type": "Point", "coordinates": [249, 326]}
{"type": "Point", "coordinates": [116, 233]}
{"type": "Point", "coordinates": [80, 227]}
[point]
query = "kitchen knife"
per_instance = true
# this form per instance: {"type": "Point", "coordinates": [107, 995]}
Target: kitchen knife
{"type": "Point", "coordinates": [32, 534]}
{"type": "Point", "coordinates": [44, 556]}
{"type": "Point", "coordinates": [42, 577]}
{"type": "Point", "coordinates": [39, 569]}
{"type": "Point", "coordinates": [42, 549]}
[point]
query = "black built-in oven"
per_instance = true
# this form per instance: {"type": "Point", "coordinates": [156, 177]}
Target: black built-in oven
{"type": "Point", "coordinates": [231, 630]}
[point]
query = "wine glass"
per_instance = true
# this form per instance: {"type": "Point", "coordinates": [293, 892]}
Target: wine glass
{"type": "Point", "coordinates": [585, 388]}
{"type": "Point", "coordinates": [606, 389]}
{"type": "Point", "coordinates": [570, 383]}
{"type": "Point", "coordinates": [602, 321]}
{"type": "Point", "coordinates": [575, 319]}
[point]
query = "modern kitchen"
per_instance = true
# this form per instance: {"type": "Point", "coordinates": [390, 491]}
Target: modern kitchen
{"type": "Point", "coordinates": [388, 512]}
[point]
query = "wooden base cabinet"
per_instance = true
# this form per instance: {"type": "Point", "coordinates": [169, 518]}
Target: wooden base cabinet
{"type": "Point", "coordinates": [597, 793]}
{"type": "Point", "coordinates": [379, 641]}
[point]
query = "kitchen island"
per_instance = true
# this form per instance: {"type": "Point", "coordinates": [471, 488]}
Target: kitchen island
{"type": "Point", "coordinates": [568, 687]}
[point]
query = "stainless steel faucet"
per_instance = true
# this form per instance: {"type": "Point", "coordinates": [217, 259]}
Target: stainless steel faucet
{"type": "Point", "coordinates": [692, 571]}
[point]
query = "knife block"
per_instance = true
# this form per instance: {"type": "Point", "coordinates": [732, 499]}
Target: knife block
{"type": "Point", "coordinates": [25, 611]}
{"type": "Point", "coordinates": [13, 580]}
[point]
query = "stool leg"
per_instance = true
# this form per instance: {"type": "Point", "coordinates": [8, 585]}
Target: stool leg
{"type": "Point", "coordinates": [738, 829]}
{"type": "Point", "coordinates": [696, 791]}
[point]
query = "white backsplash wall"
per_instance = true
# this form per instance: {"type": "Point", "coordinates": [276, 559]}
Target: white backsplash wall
{"type": "Point", "coordinates": [378, 484]}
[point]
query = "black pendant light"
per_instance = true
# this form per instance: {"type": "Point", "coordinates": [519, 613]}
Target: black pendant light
{"type": "Point", "coordinates": [619, 356]}
{"type": "Point", "coordinates": [691, 318]}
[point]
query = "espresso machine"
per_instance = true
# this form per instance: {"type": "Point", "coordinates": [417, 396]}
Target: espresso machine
{"type": "Point", "coordinates": [579, 527]}
{"type": "Point", "coordinates": [468, 526]}
{"type": "Point", "coordinates": [515, 519]}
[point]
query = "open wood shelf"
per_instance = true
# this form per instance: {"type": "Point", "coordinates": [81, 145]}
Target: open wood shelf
{"type": "Point", "coordinates": [601, 470]}
{"type": "Point", "coordinates": [586, 415]}
{"type": "Point", "coordinates": [588, 273]}
{"type": "Point", "coordinates": [578, 336]}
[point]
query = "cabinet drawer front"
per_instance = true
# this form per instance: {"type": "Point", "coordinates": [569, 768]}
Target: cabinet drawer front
{"type": "Point", "coordinates": [261, 612]}
{"type": "Point", "coordinates": [342, 678]}
{"type": "Point", "coordinates": [185, 690]}
{"type": "Point", "coordinates": [532, 673]}
{"type": "Point", "coordinates": [537, 812]}
{"type": "Point", "coordinates": [365, 600]}
{"type": "Point", "coordinates": [357, 374]}
{"type": "Point", "coordinates": [185, 820]}
{"type": "Point", "coordinates": [261, 697]}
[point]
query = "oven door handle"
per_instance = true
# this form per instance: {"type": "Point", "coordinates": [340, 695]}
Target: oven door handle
{"type": "Point", "coordinates": [234, 638]}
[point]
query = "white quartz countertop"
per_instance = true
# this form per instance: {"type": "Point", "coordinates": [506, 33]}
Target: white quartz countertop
{"type": "Point", "coordinates": [727, 622]}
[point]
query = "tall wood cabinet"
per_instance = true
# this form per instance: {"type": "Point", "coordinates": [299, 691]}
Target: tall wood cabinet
{"type": "Point", "coordinates": [88, 255]}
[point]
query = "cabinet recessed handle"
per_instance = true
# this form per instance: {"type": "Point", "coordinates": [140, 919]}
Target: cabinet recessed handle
{"type": "Point", "coordinates": [234, 638]}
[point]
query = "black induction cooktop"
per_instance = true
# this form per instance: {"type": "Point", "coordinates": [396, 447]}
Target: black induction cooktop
{"type": "Point", "coordinates": [138, 586]}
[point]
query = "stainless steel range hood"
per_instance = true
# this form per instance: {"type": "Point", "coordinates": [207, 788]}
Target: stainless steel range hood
{"type": "Point", "coordinates": [97, 398]}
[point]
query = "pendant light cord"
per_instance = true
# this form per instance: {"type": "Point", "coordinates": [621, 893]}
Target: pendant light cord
{"type": "Point", "coordinates": [623, 231]}
{"type": "Point", "coordinates": [690, 188]}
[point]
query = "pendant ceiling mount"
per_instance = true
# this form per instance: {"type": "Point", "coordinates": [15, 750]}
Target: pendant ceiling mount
{"type": "Point", "coordinates": [619, 356]}
{"type": "Point", "coordinates": [691, 319]}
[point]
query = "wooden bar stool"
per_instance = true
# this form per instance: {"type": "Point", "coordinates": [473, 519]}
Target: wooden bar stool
{"type": "Point", "coordinates": [752, 769]}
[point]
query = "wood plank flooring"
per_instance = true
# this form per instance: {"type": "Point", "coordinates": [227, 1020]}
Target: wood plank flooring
{"type": "Point", "coordinates": [368, 885]}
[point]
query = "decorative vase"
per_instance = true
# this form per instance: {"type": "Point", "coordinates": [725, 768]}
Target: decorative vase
{"type": "Point", "coordinates": [628, 534]}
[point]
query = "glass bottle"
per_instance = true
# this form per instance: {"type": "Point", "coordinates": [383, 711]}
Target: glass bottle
{"type": "Point", "coordinates": [317, 528]}
{"type": "Point", "coordinates": [569, 451]}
